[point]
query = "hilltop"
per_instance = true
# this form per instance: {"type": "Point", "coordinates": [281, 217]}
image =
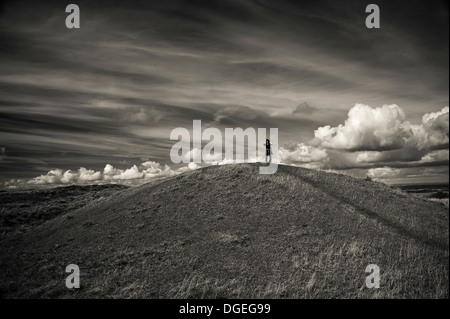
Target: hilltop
{"type": "Point", "coordinates": [228, 232]}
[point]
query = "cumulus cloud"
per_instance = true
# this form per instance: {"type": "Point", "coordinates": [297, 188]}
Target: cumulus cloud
{"type": "Point", "coordinates": [54, 176]}
{"type": "Point", "coordinates": [383, 135]}
{"type": "Point", "coordinates": [369, 139]}
{"type": "Point", "coordinates": [89, 175]}
{"type": "Point", "coordinates": [366, 129]}
{"type": "Point", "coordinates": [383, 129]}
{"type": "Point", "coordinates": [58, 176]}
{"type": "Point", "coordinates": [302, 153]}
{"type": "Point", "coordinates": [433, 132]}
{"type": "Point", "coordinates": [134, 175]}
{"type": "Point", "coordinates": [109, 170]}
{"type": "Point", "coordinates": [379, 139]}
{"type": "Point", "coordinates": [192, 165]}
{"type": "Point", "coordinates": [383, 172]}
{"type": "Point", "coordinates": [130, 173]}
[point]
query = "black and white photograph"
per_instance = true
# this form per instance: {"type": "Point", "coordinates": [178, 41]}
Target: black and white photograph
{"type": "Point", "coordinates": [224, 150]}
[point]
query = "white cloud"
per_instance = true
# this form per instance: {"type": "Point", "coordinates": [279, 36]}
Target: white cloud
{"type": "Point", "coordinates": [130, 173]}
{"type": "Point", "coordinates": [371, 138]}
{"type": "Point", "coordinates": [54, 176]}
{"type": "Point", "coordinates": [383, 172]}
{"type": "Point", "coordinates": [380, 135]}
{"type": "Point", "coordinates": [367, 128]}
{"type": "Point", "coordinates": [226, 161]}
{"type": "Point", "coordinates": [302, 154]}
{"type": "Point", "coordinates": [436, 156]}
{"type": "Point", "coordinates": [192, 165]}
{"type": "Point", "coordinates": [431, 117]}
{"type": "Point", "coordinates": [433, 132]}
{"type": "Point", "coordinates": [134, 175]}
{"type": "Point", "coordinates": [88, 175]}
{"type": "Point", "coordinates": [110, 170]}
{"type": "Point", "coordinates": [69, 176]}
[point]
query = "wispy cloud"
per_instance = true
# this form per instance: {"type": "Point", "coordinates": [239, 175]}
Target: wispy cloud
{"type": "Point", "coordinates": [113, 90]}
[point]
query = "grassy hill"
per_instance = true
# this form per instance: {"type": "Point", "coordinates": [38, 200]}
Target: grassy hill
{"type": "Point", "coordinates": [22, 210]}
{"type": "Point", "coordinates": [228, 232]}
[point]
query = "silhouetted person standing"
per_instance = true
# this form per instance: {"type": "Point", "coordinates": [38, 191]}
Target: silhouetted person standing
{"type": "Point", "coordinates": [268, 150]}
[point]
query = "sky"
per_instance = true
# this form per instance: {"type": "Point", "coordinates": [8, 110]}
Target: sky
{"type": "Point", "coordinates": [98, 103]}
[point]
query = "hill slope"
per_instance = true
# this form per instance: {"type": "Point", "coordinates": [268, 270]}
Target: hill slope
{"type": "Point", "coordinates": [226, 232]}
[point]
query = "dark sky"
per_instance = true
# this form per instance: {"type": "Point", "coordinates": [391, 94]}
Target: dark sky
{"type": "Point", "coordinates": [344, 97]}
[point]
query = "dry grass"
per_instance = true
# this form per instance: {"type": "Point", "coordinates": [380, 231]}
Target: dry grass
{"type": "Point", "coordinates": [228, 232]}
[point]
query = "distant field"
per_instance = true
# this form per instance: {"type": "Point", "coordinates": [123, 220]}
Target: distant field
{"type": "Point", "coordinates": [425, 189]}
{"type": "Point", "coordinates": [22, 210]}
{"type": "Point", "coordinates": [439, 192]}
{"type": "Point", "coordinates": [227, 232]}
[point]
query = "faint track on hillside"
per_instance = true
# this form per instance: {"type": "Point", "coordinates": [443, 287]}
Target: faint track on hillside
{"type": "Point", "coordinates": [369, 213]}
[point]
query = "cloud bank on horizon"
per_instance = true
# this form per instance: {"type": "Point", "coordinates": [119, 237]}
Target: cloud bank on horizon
{"type": "Point", "coordinates": [376, 135]}
{"type": "Point", "coordinates": [112, 91]}
{"type": "Point", "coordinates": [380, 140]}
{"type": "Point", "coordinates": [132, 176]}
